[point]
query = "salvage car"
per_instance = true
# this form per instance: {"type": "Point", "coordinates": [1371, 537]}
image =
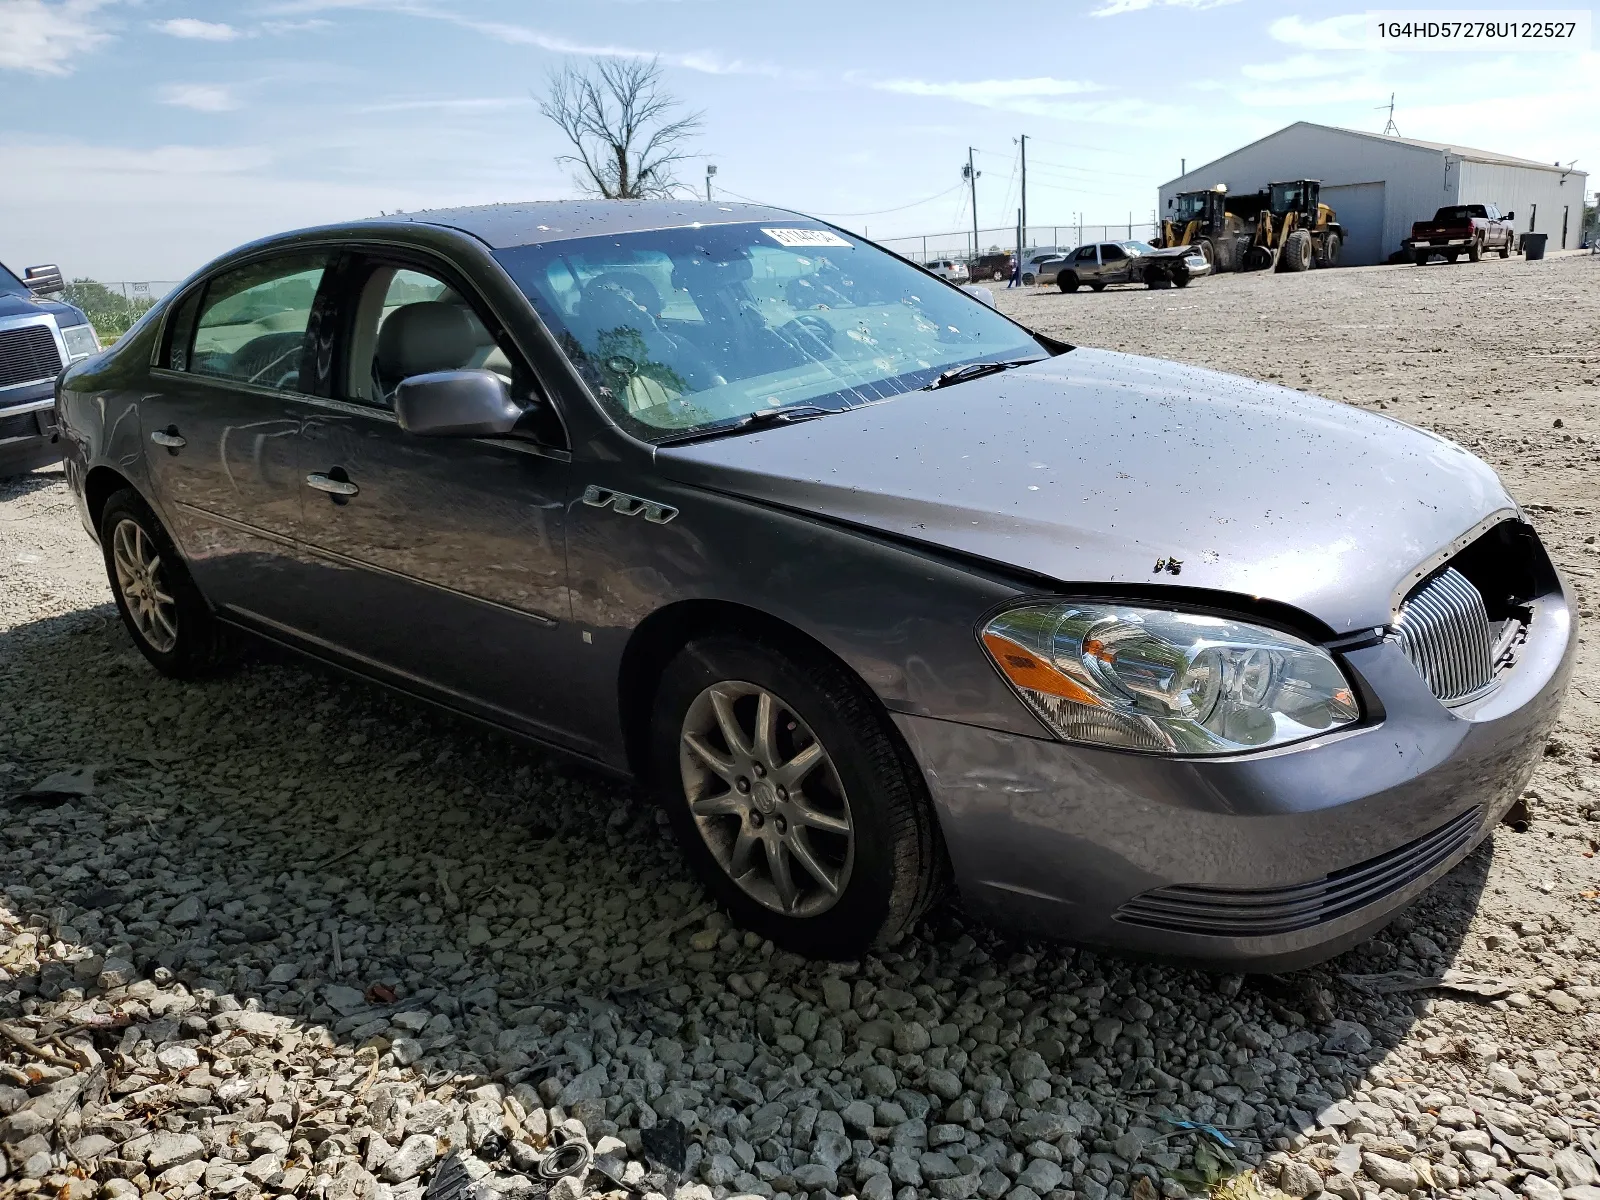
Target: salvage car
{"type": "Point", "coordinates": [39, 334]}
{"type": "Point", "coordinates": [875, 589]}
{"type": "Point", "coordinates": [1101, 264]}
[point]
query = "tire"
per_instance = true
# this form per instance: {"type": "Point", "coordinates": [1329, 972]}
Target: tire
{"type": "Point", "coordinates": [1475, 252]}
{"type": "Point", "coordinates": [165, 614]}
{"type": "Point", "coordinates": [1422, 257]}
{"type": "Point", "coordinates": [1208, 252]}
{"type": "Point", "coordinates": [1028, 279]}
{"type": "Point", "coordinates": [1296, 254]}
{"type": "Point", "coordinates": [1259, 258]}
{"type": "Point", "coordinates": [1328, 253]}
{"type": "Point", "coordinates": [888, 866]}
{"type": "Point", "coordinates": [1180, 276]}
{"type": "Point", "coordinates": [1452, 255]}
{"type": "Point", "coordinates": [1097, 287]}
{"type": "Point", "coordinates": [1505, 248]}
{"type": "Point", "coordinates": [1067, 281]}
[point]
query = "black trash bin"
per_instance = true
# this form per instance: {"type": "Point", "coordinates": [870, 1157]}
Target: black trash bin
{"type": "Point", "coordinates": [1533, 245]}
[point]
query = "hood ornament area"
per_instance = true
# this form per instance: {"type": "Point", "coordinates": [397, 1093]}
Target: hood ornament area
{"type": "Point", "coordinates": [628, 506]}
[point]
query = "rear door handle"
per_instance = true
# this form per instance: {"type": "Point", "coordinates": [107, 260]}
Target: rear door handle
{"type": "Point", "coordinates": [334, 487]}
{"type": "Point", "coordinates": [169, 438]}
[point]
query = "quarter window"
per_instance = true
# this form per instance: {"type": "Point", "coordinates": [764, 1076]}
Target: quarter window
{"type": "Point", "coordinates": [252, 323]}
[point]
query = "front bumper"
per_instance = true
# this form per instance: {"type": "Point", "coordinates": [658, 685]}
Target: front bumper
{"type": "Point", "coordinates": [28, 434]}
{"type": "Point", "coordinates": [1288, 856]}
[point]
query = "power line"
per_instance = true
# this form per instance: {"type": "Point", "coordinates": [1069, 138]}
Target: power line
{"type": "Point", "coordinates": [874, 213]}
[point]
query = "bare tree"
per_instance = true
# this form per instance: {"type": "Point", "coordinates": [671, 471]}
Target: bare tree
{"type": "Point", "coordinates": [620, 122]}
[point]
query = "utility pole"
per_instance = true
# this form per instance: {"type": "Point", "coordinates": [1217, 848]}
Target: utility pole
{"type": "Point", "coordinates": [710, 171]}
{"type": "Point", "coordinates": [972, 182]}
{"type": "Point", "coordinates": [1183, 166]}
{"type": "Point", "coordinates": [1023, 142]}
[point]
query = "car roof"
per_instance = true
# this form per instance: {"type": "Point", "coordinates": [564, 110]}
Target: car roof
{"type": "Point", "coordinates": [523, 223]}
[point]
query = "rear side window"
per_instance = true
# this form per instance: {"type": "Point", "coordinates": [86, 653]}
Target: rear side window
{"type": "Point", "coordinates": [1086, 254]}
{"type": "Point", "coordinates": [251, 322]}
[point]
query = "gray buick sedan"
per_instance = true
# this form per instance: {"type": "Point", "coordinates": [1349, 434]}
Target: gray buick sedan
{"type": "Point", "coordinates": [874, 588]}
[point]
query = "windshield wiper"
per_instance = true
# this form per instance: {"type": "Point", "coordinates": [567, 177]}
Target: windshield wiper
{"type": "Point", "coordinates": [756, 420]}
{"type": "Point", "coordinates": [974, 370]}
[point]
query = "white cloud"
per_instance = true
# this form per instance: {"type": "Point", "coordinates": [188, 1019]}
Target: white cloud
{"type": "Point", "coordinates": [43, 38]}
{"type": "Point", "coordinates": [282, 27]}
{"type": "Point", "coordinates": [1113, 8]}
{"type": "Point", "coordinates": [988, 91]}
{"type": "Point", "coordinates": [203, 31]}
{"type": "Point", "coordinates": [202, 97]}
{"type": "Point", "coordinates": [1304, 66]}
{"type": "Point", "coordinates": [1348, 32]}
{"type": "Point", "coordinates": [455, 104]}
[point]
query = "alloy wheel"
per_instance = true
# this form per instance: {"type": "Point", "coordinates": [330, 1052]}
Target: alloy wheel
{"type": "Point", "coordinates": [766, 798]}
{"type": "Point", "coordinates": [143, 587]}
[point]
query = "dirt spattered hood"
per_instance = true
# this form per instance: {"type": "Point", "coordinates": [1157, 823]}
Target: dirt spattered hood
{"type": "Point", "coordinates": [1093, 466]}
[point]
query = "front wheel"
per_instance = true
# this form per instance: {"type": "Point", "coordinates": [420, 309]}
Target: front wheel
{"type": "Point", "coordinates": [793, 797]}
{"type": "Point", "coordinates": [1067, 282]}
{"type": "Point", "coordinates": [169, 619]}
{"type": "Point", "coordinates": [1098, 287]}
{"type": "Point", "coordinates": [1180, 276]}
{"type": "Point", "coordinates": [1505, 248]}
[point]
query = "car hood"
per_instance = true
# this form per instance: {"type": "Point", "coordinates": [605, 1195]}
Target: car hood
{"type": "Point", "coordinates": [1095, 467]}
{"type": "Point", "coordinates": [13, 305]}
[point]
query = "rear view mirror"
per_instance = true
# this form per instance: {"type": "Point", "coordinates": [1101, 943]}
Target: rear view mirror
{"type": "Point", "coordinates": [471, 403]}
{"type": "Point", "coordinates": [45, 280]}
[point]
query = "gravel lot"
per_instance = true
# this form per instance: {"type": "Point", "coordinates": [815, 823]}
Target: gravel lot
{"type": "Point", "coordinates": [282, 934]}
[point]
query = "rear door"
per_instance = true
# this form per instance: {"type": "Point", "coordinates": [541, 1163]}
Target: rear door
{"type": "Point", "coordinates": [221, 435]}
{"type": "Point", "coordinates": [441, 561]}
{"type": "Point", "coordinates": [1113, 263]}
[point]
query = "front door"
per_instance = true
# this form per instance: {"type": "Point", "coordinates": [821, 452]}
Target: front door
{"type": "Point", "coordinates": [1113, 264]}
{"type": "Point", "coordinates": [441, 560]}
{"type": "Point", "coordinates": [221, 436]}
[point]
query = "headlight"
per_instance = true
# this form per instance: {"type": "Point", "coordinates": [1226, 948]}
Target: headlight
{"type": "Point", "coordinates": [1170, 682]}
{"type": "Point", "coordinates": [81, 341]}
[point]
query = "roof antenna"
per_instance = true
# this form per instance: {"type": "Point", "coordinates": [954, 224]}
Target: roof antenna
{"type": "Point", "coordinates": [1391, 127]}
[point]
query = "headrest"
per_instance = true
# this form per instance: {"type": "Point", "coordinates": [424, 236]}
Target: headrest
{"type": "Point", "coordinates": [632, 284]}
{"type": "Point", "coordinates": [427, 336]}
{"type": "Point", "coordinates": [701, 274]}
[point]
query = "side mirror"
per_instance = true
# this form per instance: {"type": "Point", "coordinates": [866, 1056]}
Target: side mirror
{"type": "Point", "coordinates": [473, 403]}
{"type": "Point", "coordinates": [1511, 216]}
{"type": "Point", "coordinates": [45, 280]}
{"type": "Point", "coordinates": [979, 292]}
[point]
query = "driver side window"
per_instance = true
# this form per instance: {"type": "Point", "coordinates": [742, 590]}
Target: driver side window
{"type": "Point", "coordinates": [251, 324]}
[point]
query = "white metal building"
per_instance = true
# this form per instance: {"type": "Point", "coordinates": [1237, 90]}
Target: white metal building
{"type": "Point", "coordinates": [1378, 185]}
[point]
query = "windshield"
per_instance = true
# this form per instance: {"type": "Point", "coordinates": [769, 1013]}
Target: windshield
{"type": "Point", "coordinates": [1191, 205]}
{"type": "Point", "coordinates": [1287, 198]}
{"type": "Point", "coordinates": [1137, 247]}
{"type": "Point", "coordinates": [681, 329]}
{"type": "Point", "coordinates": [10, 285]}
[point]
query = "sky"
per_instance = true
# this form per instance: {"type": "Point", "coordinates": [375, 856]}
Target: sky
{"type": "Point", "coordinates": [138, 138]}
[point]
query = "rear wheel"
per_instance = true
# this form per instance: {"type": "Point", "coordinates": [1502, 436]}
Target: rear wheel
{"type": "Point", "coordinates": [1028, 278]}
{"type": "Point", "coordinates": [169, 619]}
{"type": "Point", "coordinates": [1422, 257]}
{"type": "Point", "coordinates": [1452, 255]}
{"type": "Point", "coordinates": [1475, 252]}
{"type": "Point", "coordinates": [793, 797]}
{"type": "Point", "coordinates": [1067, 281]}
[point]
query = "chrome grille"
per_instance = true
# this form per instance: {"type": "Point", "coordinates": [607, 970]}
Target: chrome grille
{"type": "Point", "coordinates": [28, 354]}
{"type": "Point", "coordinates": [1444, 630]}
{"type": "Point", "coordinates": [1263, 912]}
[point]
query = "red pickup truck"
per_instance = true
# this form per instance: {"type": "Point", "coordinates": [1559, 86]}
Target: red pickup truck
{"type": "Point", "coordinates": [1459, 229]}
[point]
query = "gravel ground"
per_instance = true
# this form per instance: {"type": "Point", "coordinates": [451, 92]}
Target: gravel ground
{"type": "Point", "coordinates": [282, 934]}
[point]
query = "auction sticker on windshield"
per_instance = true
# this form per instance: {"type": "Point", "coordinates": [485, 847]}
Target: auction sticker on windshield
{"type": "Point", "coordinates": [805, 237]}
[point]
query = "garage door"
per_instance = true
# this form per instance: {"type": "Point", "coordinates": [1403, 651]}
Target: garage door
{"type": "Point", "coordinates": [1360, 210]}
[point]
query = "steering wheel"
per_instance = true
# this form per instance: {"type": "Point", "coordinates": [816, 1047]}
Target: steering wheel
{"type": "Point", "coordinates": [813, 327]}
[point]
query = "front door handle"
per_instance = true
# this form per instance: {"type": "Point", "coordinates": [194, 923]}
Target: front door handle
{"type": "Point", "coordinates": [334, 487]}
{"type": "Point", "coordinates": [169, 438]}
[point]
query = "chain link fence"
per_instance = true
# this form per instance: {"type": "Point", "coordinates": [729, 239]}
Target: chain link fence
{"type": "Point", "coordinates": [957, 244]}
